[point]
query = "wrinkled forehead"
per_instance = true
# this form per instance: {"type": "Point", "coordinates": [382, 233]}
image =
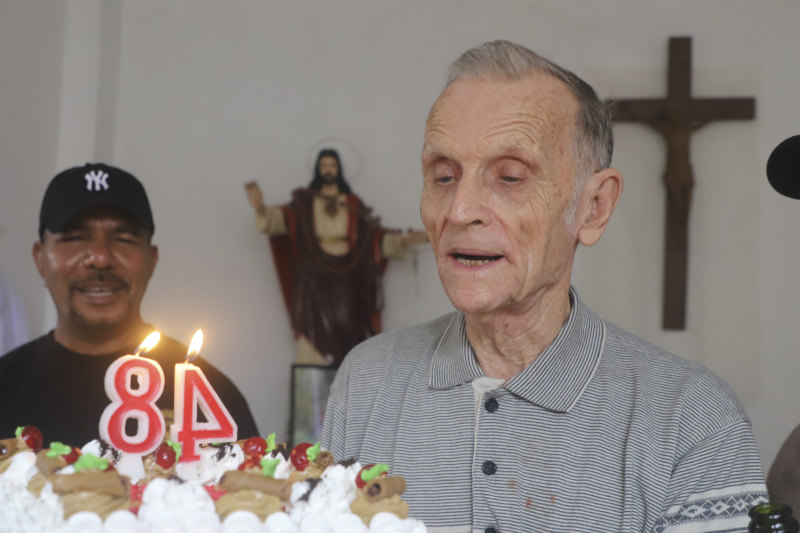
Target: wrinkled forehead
{"type": "Point", "coordinates": [533, 110]}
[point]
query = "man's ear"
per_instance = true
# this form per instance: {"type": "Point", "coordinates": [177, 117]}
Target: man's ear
{"type": "Point", "coordinates": [154, 259]}
{"type": "Point", "coordinates": [598, 200]}
{"type": "Point", "coordinates": [38, 252]}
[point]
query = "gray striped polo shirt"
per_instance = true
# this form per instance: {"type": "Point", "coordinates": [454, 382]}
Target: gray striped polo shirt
{"type": "Point", "coordinates": [602, 432]}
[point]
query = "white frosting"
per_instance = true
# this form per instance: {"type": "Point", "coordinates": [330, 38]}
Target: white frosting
{"type": "Point", "coordinates": [131, 465]}
{"type": "Point", "coordinates": [281, 523]}
{"type": "Point", "coordinates": [165, 523]}
{"type": "Point", "coordinates": [69, 469]}
{"type": "Point", "coordinates": [20, 510]}
{"type": "Point", "coordinates": [83, 522]}
{"type": "Point", "coordinates": [95, 448]}
{"type": "Point", "coordinates": [124, 522]}
{"type": "Point", "coordinates": [21, 469]}
{"type": "Point", "coordinates": [117, 522]}
{"type": "Point", "coordinates": [284, 468]}
{"type": "Point", "coordinates": [347, 523]}
{"type": "Point", "coordinates": [299, 490]}
{"type": "Point", "coordinates": [209, 469]}
{"type": "Point", "coordinates": [242, 522]}
{"type": "Point", "coordinates": [204, 521]}
{"type": "Point", "coordinates": [333, 494]}
{"type": "Point", "coordinates": [172, 498]}
{"type": "Point", "coordinates": [314, 524]}
{"type": "Point", "coordinates": [389, 523]}
{"type": "Point", "coordinates": [126, 464]}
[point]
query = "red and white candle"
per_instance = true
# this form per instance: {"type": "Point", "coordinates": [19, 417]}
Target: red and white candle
{"type": "Point", "coordinates": [193, 392]}
{"type": "Point", "coordinates": [138, 403]}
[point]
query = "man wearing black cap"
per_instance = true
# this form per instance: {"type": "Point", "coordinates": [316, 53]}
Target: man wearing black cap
{"type": "Point", "coordinates": [96, 257]}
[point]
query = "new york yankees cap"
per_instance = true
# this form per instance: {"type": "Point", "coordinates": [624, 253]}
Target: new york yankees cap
{"type": "Point", "coordinates": [77, 188]}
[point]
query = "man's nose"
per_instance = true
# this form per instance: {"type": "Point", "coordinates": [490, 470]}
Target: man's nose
{"type": "Point", "coordinates": [469, 202]}
{"type": "Point", "coordinates": [99, 253]}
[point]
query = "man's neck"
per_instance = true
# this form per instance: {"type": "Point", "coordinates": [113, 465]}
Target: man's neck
{"type": "Point", "coordinates": [330, 190]}
{"type": "Point", "coordinates": [96, 341]}
{"type": "Point", "coordinates": [505, 343]}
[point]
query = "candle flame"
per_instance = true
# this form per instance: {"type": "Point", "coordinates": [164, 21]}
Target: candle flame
{"type": "Point", "coordinates": [148, 343]}
{"type": "Point", "coordinates": [194, 346]}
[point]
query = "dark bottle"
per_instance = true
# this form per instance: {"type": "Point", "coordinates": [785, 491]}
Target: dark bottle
{"type": "Point", "coordinates": [772, 517]}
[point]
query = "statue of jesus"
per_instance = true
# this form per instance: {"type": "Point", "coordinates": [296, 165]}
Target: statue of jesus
{"type": "Point", "coordinates": [330, 253]}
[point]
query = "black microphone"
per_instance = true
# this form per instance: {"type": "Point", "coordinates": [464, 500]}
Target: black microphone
{"type": "Point", "coordinates": [783, 168]}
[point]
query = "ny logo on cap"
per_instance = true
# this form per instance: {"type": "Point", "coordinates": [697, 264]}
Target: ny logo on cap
{"type": "Point", "coordinates": [96, 179]}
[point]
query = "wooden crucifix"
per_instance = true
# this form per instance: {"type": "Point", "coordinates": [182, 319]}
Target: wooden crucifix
{"type": "Point", "coordinates": [675, 118]}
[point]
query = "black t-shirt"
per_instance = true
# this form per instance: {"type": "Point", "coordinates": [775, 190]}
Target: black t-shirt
{"type": "Point", "coordinates": [63, 394]}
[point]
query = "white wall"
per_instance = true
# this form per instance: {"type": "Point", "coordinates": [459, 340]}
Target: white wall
{"type": "Point", "coordinates": [197, 97]}
{"type": "Point", "coordinates": [31, 36]}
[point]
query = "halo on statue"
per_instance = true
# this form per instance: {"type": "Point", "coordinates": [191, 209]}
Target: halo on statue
{"type": "Point", "coordinates": [349, 156]}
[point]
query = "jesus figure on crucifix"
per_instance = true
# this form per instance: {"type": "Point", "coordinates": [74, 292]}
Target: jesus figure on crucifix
{"type": "Point", "coordinates": [676, 117]}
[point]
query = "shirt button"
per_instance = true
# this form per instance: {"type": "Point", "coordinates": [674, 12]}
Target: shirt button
{"type": "Point", "coordinates": [489, 468]}
{"type": "Point", "coordinates": [491, 405]}
{"type": "Point", "coordinates": [490, 530]}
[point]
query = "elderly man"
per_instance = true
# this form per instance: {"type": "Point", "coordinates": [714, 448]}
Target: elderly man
{"type": "Point", "coordinates": [525, 411]}
{"type": "Point", "coordinates": [96, 257]}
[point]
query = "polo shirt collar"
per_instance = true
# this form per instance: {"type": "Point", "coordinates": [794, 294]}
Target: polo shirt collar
{"type": "Point", "coordinates": [555, 380]}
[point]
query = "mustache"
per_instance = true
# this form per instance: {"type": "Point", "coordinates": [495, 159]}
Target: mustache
{"type": "Point", "coordinates": [100, 278]}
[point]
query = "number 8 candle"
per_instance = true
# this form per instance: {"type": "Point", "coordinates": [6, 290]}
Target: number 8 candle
{"type": "Point", "coordinates": [138, 403]}
{"type": "Point", "coordinates": [192, 390]}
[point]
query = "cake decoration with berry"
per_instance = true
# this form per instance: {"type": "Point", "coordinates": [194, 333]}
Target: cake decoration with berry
{"type": "Point", "coordinates": [255, 484]}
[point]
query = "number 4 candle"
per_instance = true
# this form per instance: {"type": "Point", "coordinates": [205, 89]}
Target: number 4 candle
{"type": "Point", "coordinates": [193, 391]}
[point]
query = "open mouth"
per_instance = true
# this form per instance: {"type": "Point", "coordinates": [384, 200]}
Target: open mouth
{"type": "Point", "coordinates": [476, 260]}
{"type": "Point", "coordinates": [99, 291]}
{"type": "Point", "coordinates": [100, 286]}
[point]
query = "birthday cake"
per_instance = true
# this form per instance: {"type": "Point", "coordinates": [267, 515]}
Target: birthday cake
{"type": "Point", "coordinates": [252, 485]}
